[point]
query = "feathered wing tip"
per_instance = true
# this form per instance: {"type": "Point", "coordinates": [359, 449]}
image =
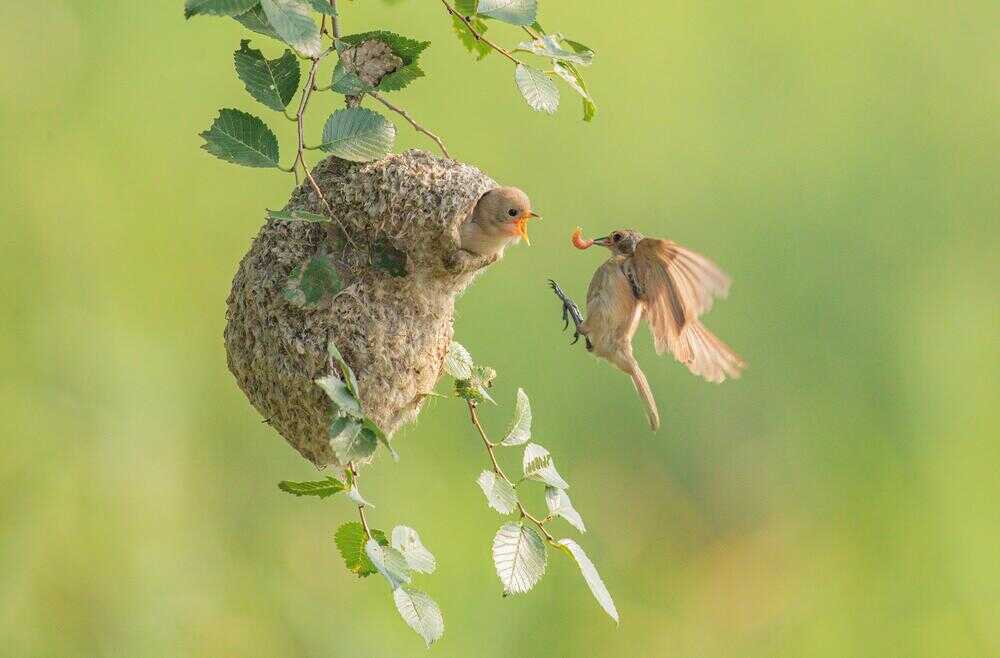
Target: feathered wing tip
{"type": "Point", "coordinates": [646, 395]}
{"type": "Point", "coordinates": [707, 356]}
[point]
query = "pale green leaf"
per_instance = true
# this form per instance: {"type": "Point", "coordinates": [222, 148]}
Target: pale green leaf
{"type": "Point", "coordinates": [337, 358]}
{"type": "Point", "coordinates": [242, 139]}
{"type": "Point", "coordinates": [323, 7]}
{"type": "Point", "coordinates": [358, 134]}
{"type": "Point", "coordinates": [520, 428]}
{"type": "Point", "coordinates": [559, 504]}
{"type": "Point", "coordinates": [537, 464]}
{"type": "Point", "coordinates": [294, 24]}
{"type": "Point", "coordinates": [550, 46]}
{"type": "Point", "coordinates": [406, 540]}
{"type": "Point", "coordinates": [341, 396]}
{"type": "Point", "coordinates": [499, 494]}
{"type": "Point", "coordinates": [538, 90]}
{"type": "Point", "coordinates": [389, 562]}
{"type": "Point", "coordinates": [347, 83]}
{"type": "Point", "coordinates": [572, 76]}
{"type": "Point", "coordinates": [458, 361]}
{"type": "Point", "coordinates": [594, 582]}
{"type": "Point", "coordinates": [519, 557]}
{"type": "Point", "coordinates": [320, 488]}
{"type": "Point", "coordinates": [350, 539]}
{"type": "Point", "coordinates": [256, 21]}
{"type": "Point", "coordinates": [420, 613]}
{"type": "Point", "coordinates": [477, 46]}
{"type": "Point", "coordinates": [515, 12]}
{"type": "Point", "coordinates": [354, 447]}
{"type": "Point", "coordinates": [273, 82]}
{"type": "Point", "coordinates": [217, 7]}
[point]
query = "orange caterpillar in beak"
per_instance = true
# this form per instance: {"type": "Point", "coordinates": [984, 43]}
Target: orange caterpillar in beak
{"type": "Point", "coordinates": [578, 240]}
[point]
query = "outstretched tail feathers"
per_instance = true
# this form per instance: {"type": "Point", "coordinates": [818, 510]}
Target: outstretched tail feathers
{"type": "Point", "coordinates": [646, 395]}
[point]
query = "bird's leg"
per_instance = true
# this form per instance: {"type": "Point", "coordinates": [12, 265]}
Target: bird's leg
{"type": "Point", "coordinates": [571, 311]}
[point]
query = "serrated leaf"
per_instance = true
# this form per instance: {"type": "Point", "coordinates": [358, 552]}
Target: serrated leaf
{"type": "Point", "coordinates": [559, 504]}
{"type": "Point", "coordinates": [406, 540]}
{"type": "Point", "coordinates": [420, 613]}
{"type": "Point", "coordinates": [217, 7]}
{"type": "Point", "coordinates": [255, 20]}
{"type": "Point", "coordinates": [594, 582]}
{"type": "Point", "coordinates": [389, 562]}
{"type": "Point", "coordinates": [347, 83]}
{"type": "Point", "coordinates": [519, 557]}
{"type": "Point", "coordinates": [466, 7]}
{"type": "Point", "coordinates": [538, 465]}
{"type": "Point", "coordinates": [354, 446]}
{"type": "Point", "coordinates": [320, 488]}
{"type": "Point", "coordinates": [358, 134]}
{"type": "Point", "coordinates": [458, 361]}
{"type": "Point", "coordinates": [499, 494]}
{"type": "Point", "coordinates": [550, 46]}
{"type": "Point", "coordinates": [515, 12]}
{"type": "Point", "coordinates": [294, 24]}
{"type": "Point", "coordinates": [323, 7]}
{"type": "Point", "coordinates": [520, 428]}
{"type": "Point", "coordinates": [400, 78]}
{"type": "Point", "coordinates": [273, 82]}
{"type": "Point", "coordinates": [405, 48]}
{"type": "Point", "coordinates": [297, 216]}
{"type": "Point", "coordinates": [242, 139]}
{"type": "Point", "coordinates": [468, 39]}
{"type": "Point", "coordinates": [350, 540]}
{"type": "Point", "coordinates": [538, 90]}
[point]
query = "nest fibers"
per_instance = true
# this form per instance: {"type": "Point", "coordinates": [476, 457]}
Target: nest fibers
{"type": "Point", "coordinates": [394, 331]}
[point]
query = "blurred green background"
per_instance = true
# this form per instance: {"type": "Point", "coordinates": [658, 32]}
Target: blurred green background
{"type": "Point", "coordinates": [839, 159]}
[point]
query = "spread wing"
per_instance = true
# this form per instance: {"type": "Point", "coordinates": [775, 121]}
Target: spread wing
{"type": "Point", "coordinates": [678, 286]}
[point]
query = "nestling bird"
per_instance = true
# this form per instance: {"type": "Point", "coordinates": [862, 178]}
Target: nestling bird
{"type": "Point", "coordinates": [669, 286]}
{"type": "Point", "coordinates": [498, 221]}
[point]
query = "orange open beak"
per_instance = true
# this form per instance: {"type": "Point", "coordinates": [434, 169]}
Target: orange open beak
{"type": "Point", "coordinates": [522, 225]}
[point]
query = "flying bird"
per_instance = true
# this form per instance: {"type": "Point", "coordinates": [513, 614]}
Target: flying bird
{"type": "Point", "coordinates": [668, 285]}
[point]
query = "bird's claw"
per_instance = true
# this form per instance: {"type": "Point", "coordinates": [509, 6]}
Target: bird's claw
{"type": "Point", "coordinates": [570, 311]}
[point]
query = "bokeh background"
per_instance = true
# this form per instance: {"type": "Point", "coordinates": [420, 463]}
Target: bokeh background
{"type": "Point", "coordinates": [839, 159]}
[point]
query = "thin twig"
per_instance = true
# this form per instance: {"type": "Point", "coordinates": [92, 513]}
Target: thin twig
{"type": "Point", "coordinates": [474, 416]}
{"type": "Point", "coordinates": [479, 37]}
{"type": "Point", "coordinates": [403, 113]}
{"type": "Point", "coordinates": [361, 508]}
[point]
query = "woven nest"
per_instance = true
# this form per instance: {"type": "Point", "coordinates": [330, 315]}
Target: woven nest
{"type": "Point", "coordinates": [393, 329]}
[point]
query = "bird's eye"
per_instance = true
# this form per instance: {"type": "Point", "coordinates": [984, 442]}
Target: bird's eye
{"type": "Point", "coordinates": [617, 237]}
{"type": "Point", "coordinates": [512, 212]}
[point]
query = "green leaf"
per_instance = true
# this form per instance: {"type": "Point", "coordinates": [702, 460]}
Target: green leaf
{"type": "Point", "coordinates": [350, 540]}
{"type": "Point", "coordinates": [358, 134]}
{"type": "Point", "coordinates": [559, 504]}
{"type": "Point", "coordinates": [466, 7]}
{"type": "Point", "coordinates": [499, 494]}
{"type": "Point", "coordinates": [387, 258]}
{"type": "Point", "coordinates": [293, 23]}
{"type": "Point", "coordinates": [273, 82]}
{"type": "Point", "coordinates": [594, 582]}
{"type": "Point", "coordinates": [337, 358]}
{"type": "Point", "coordinates": [468, 39]}
{"type": "Point", "coordinates": [549, 46]}
{"type": "Point", "coordinates": [537, 464]}
{"type": "Point", "coordinates": [242, 139]}
{"type": "Point", "coordinates": [389, 562]}
{"type": "Point", "coordinates": [520, 428]}
{"type": "Point", "coordinates": [346, 82]}
{"type": "Point", "coordinates": [216, 7]}
{"type": "Point", "coordinates": [255, 20]}
{"type": "Point", "coordinates": [420, 613]}
{"type": "Point", "coordinates": [407, 542]}
{"type": "Point", "coordinates": [515, 12]}
{"type": "Point", "coordinates": [405, 48]}
{"type": "Point", "coordinates": [369, 425]}
{"type": "Point", "coordinates": [458, 361]}
{"type": "Point", "coordinates": [579, 47]}
{"type": "Point", "coordinates": [296, 216]}
{"type": "Point", "coordinates": [321, 488]}
{"type": "Point", "coordinates": [356, 448]}
{"type": "Point", "coordinates": [323, 7]}
{"type": "Point", "coordinates": [341, 396]}
{"type": "Point", "coordinates": [540, 93]}
{"type": "Point", "coordinates": [343, 428]}
{"type": "Point", "coordinates": [572, 76]}
{"type": "Point", "coordinates": [519, 557]}
{"type": "Point", "coordinates": [400, 78]}
{"type": "Point", "coordinates": [309, 285]}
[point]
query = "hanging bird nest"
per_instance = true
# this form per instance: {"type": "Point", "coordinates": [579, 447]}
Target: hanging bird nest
{"type": "Point", "coordinates": [393, 243]}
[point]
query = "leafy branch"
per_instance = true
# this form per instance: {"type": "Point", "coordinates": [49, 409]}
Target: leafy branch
{"type": "Point", "coordinates": [519, 551]}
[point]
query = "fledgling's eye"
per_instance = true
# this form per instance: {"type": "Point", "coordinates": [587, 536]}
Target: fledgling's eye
{"type": "Point", "coordinates": [512, 212]}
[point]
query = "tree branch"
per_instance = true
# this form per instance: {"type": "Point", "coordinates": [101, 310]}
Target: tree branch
{"type": "Point", "coordinates": [479, 37]}
{"type": "Point", "coordinates": [403, 113]}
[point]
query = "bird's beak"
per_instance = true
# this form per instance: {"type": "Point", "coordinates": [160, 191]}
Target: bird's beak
{"type": "Point", "coordinates": [604, 242]}
{"type": "Point", "coordinates": [522, 225]}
